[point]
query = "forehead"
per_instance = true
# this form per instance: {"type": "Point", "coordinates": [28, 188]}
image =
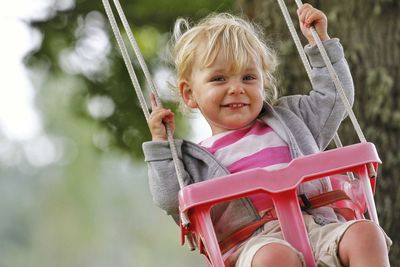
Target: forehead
{"type": "Point", "coordinates": [225, 58]}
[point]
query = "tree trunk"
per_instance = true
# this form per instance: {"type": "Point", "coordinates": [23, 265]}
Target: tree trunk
{"type": "Point", "coordinates": [370, 34]}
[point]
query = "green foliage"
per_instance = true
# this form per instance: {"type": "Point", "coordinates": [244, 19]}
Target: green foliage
{"type": "Point", "coordinates": [69, 40]}
{"type": "Point", "coordinates": [91, 207]}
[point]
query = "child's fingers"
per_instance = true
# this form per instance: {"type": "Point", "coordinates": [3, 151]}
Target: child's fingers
{"type": "Point", "coordinates": [153, 101]}
{"type": "Point", "coordinates": [160, 115]}
{"type": "Point", "coordinates": [158, 118]}
{"type": "Point", "coordinates": [314, 17]}
{"type": "Point", "coordinates": [310, 16]}
{"type": "Point", "coordinates": [172, 125]}
{"type": "Point", "coordinates": [306, 13]}
{"type": "Point", "coordinates": [302, 11]}
{"type": "Point", "coordinates": [169, 119]}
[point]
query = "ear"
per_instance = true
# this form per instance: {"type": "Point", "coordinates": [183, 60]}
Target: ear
{"type": "Point", "coordinates": [187, 94]}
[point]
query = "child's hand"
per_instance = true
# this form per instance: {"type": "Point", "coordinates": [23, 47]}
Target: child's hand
{"type": "Point", "coordinates": [159, 117]}
{"type": "Point", "coordinates": [310, 16]}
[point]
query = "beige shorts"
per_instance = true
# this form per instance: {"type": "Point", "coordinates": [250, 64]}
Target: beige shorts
{"type": "Point", "coordinates": [324, 241]}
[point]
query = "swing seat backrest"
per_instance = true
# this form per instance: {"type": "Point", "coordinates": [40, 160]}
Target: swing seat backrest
{"type": "Point", "coordinates": [196, 200]}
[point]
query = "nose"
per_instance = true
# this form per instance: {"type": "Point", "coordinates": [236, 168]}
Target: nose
{"type": "Point", "coordinates": [236, 88]}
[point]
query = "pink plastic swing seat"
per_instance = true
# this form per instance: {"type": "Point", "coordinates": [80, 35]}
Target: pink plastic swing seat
{"type": "Point", "coordinates": [196, 200]}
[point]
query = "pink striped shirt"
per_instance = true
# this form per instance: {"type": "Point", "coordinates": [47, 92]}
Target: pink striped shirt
{"type": "Point", "coordinates": [256, 146]}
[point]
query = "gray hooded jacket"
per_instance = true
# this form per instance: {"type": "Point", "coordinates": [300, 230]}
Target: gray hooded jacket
{"type": "Point", "coordinates": [306, 122]}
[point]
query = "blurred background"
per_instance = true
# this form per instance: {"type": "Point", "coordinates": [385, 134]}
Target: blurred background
{"type": "Point", "coordinates": [73, 184]}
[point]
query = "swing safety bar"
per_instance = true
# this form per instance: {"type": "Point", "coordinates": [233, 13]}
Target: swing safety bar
{"type": "Point", "coordinates": [281, 186]}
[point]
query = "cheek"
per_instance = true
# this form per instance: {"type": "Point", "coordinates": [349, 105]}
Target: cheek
{"type": "Point", "coordinates": [260, 94]}
{"type": "Point", "coordinates": [210, 96]}
{"type": "Point", "coordinates": [260, 99]}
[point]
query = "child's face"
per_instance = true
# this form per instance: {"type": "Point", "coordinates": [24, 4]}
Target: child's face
{"type": "Point", "coordinates": [227, 100]}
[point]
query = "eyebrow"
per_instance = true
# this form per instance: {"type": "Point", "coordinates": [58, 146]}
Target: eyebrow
{"type": "Point", "coordinates": [250, 69]}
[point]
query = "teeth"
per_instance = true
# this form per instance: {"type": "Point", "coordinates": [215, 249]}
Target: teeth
{"type": "Point", "coordinates": [236, 105]}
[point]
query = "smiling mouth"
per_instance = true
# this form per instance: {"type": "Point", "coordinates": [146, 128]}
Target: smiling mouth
{"type": "Point", "coordinates": [234, 105]}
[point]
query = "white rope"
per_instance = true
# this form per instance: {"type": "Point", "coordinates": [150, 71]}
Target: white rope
{"type": "Point", "coordinates": [152, 86]}
{"type": "Point", "coordinates": [339, 87]}
{"type": "Point", "coordinates": [301, 52]}
{"type": "Point", "coordinates": [331, 72]}
{"type": "Point", "coordinates": [336, 80]}
{"type": "Point", "coordinates": [134, 79]}
{"type": "Point", "coordinates": [137, 51]}
{"type": "Point", "coordinates": [127, 60]}
{"type": "Point", "coordinates": [295, 38]}
{"type": "Point", "coordinates": [327, 62]}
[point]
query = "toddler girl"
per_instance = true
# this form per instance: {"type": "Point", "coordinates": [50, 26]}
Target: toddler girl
{"type": "Point", "coordinates": [224, 69]}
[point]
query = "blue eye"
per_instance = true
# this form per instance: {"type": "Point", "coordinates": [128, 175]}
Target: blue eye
{"type": "Point", "coordinates": [249, 77]}
{"type": "Point", "coordinates": [218, 79]}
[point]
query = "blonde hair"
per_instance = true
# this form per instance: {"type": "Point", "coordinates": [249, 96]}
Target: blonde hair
{"type": "Point", "coordinates": [241, 41]}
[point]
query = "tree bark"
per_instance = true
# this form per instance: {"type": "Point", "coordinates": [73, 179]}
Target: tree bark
{"type": "Point", "coordinates": [370, 34]}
